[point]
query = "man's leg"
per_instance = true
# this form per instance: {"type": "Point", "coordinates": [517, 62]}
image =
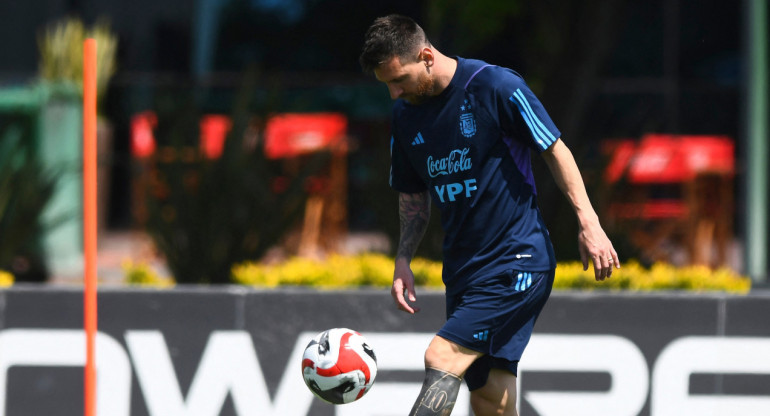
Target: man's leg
{"type": "Point", "coordinates": [497, 397]}
{"type": "Point", "coordinates": [445, 364]}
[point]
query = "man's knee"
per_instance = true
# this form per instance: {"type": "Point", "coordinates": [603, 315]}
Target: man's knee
{"type": "Point", "coordinates": [448, 356]}
{"type": "Point", "coordinates": [438, 355]}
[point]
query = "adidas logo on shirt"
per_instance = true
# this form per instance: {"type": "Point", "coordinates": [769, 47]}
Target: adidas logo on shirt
{"type": "Point", "coordinates": [418, 140]}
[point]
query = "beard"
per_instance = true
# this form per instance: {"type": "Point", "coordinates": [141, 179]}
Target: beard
{"type": "Point", "coordinates": [424, 90]}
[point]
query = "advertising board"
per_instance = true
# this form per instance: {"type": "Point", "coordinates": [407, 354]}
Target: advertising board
{"type": "Point", "coordinates": [236, 351]}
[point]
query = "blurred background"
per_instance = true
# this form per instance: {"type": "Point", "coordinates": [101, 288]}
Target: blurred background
{"type": "Point", "coordinates": [244, 130]}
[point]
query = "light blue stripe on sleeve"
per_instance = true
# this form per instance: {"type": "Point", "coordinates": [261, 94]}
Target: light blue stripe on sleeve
{"type": "Point", "coordinates": [541, 134]}
{"type": "Point", "coordinates": [538, 138]}
{"type": "Point", "coordinates": [536, 134]}
{"type": "Point", "coordinates": [534, 116]}
{"type": "Point", "coordinates": [541, 126]}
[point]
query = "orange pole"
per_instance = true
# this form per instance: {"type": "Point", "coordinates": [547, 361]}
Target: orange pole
{"type": "Point", "coordinates": [89, 220]}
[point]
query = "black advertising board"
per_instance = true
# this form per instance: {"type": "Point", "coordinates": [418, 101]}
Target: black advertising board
{"type": "Point", "coordinates": [235, 351]}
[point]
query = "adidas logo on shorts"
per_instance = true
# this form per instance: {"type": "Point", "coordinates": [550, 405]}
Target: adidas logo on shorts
{"type": "Point", "coordinates": [524, 281]}
{"type": "Point", "coordinates": [481, 335]}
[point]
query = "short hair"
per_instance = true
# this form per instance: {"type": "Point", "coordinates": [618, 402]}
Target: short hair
{"type": "Point", "coordinates": [391, 36]}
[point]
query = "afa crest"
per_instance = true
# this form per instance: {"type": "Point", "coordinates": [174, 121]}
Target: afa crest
{"type": "Point", "coordinates": [467, 120]}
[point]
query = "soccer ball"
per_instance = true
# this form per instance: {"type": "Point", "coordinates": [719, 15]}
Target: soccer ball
{"type": "Point", "coordinates": [339, 366]}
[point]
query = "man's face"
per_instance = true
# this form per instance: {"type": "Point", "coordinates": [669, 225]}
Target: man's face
{"type": "Point", "coordinates": [411, 82]}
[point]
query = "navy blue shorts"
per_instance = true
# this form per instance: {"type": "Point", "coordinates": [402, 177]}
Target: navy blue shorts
{"type": "Point", "coordinates": [496, 317]}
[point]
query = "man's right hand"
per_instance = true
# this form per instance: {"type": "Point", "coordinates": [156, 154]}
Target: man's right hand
{"type": "Point", "coordinates": [403, 288]}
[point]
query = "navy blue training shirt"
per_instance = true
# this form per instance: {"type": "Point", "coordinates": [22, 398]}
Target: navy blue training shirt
{"type": "Point", "coordinates": [470, 147]}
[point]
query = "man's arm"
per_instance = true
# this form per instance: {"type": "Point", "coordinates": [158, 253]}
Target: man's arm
{"type": "Point", "coordinates": [592, 240]}
{"type": "Point", "coordinates": [414, 214]}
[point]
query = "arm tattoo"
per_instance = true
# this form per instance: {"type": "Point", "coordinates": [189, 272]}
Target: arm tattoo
{"type": "Point", "coordinates": [413, 213]}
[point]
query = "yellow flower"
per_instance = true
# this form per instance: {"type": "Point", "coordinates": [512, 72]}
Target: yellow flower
{"type": "Point", "coordinates": [660, 276]}
{"type": "Point", "coordinates": [141, 274]}
{"type": "Point", "coordinates": [373, 269]}
{"type": "Point", "coordinates": [6, 279]}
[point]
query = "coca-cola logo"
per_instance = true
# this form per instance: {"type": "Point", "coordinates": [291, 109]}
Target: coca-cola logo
{"type": "Point", "coordinates": [456, 161]}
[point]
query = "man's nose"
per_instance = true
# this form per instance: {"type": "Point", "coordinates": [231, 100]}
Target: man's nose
{"type": "Point", "coordinates": [395, 92]}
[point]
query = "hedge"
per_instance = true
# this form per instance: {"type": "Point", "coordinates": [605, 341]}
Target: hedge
{"type": "Point", "coordinates": [377, 270]}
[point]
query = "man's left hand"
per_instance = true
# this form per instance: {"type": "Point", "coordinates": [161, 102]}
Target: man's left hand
{"type": "Point", "coordinates": [596, 247]}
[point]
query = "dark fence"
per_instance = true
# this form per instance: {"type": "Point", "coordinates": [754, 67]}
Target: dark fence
{"type": "Point", "coordinates": [235, 351]}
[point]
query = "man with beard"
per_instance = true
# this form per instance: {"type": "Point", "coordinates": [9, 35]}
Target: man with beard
{"type": "Point", "coordinates": [462, 132]}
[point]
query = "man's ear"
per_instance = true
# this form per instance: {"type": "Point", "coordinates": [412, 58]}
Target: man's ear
{"type": "Point", "coordinates": [426, 55]}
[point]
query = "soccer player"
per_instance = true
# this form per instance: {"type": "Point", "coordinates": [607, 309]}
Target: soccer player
{"type": "Point", "coordinates": [462, 132]}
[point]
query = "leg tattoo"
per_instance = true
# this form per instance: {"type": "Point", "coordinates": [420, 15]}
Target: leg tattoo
{"type": "Point", "coordinates": [438, 394]}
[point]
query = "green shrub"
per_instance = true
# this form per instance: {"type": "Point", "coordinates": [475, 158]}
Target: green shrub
{"type": "Point", "coordinates": [141, 274]}
{"type": "Point", "coordinates": [26, 187]}
{"type": "Point", "coordinates": [207, 215]}
{"type": "Point", "coordinates": [61, 52]}
{"type": "Point", "coordinates": [377, 270]}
